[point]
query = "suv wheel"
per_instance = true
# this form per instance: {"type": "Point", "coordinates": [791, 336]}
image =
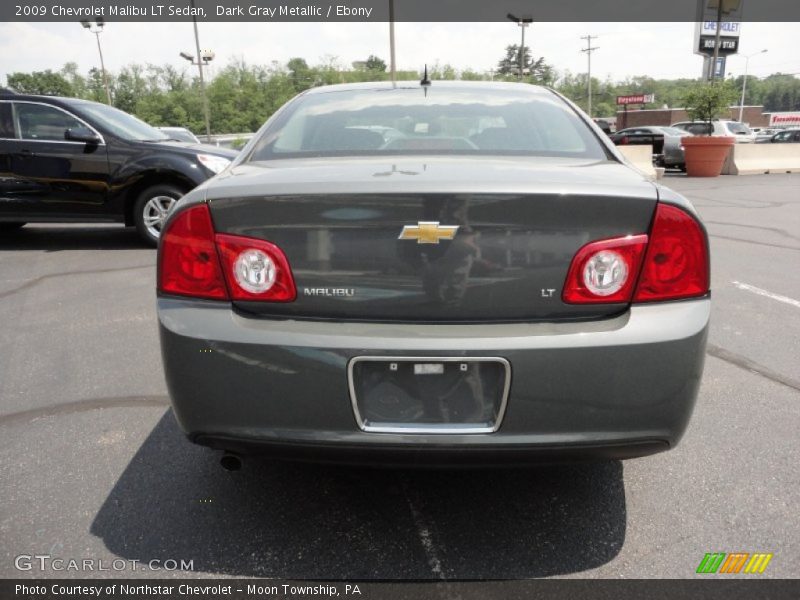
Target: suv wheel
{"type": "Point", "coordinates": [152, 208]}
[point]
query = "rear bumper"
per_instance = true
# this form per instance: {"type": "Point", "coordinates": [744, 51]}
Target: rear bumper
{"type": "Point", "coordinates": [616, 388]}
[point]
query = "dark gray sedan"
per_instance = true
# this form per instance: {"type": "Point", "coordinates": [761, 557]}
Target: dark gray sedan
{"type": "Point", "coordinates": [433, 274]}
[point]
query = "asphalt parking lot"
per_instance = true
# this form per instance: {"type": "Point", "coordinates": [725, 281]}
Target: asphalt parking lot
{"type": "Point", "coordinates": [93, 466]}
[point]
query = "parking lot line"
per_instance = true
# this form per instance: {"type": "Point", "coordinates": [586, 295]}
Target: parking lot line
{"type": "Point", "coordinates": [760, 292]}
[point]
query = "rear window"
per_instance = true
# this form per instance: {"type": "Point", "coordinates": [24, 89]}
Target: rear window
{"type": "Point", "coordinates": [737, 128]}
{"type": "Point", "coordinates": [673, 131]}
{"type": "Point", "coordinates": [697, 127]}
{"type": "Point", "coordinates": [408, 121]}
{"type": "Point", "coordinates": [6, 121]}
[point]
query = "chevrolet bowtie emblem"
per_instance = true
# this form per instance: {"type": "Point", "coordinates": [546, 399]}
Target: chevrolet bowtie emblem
{"type": "Point", "coordinates": [428, 232]}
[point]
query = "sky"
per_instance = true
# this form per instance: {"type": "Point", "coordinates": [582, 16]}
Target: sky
{"type": "Point", "coordinates": [660, 50]}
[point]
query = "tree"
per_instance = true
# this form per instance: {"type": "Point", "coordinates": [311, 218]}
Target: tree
{"type": "Point", "coordinates": [373, 63]}
{"type": "Point", "coordinates": [509, 64]}
{"type": "Point", "coordinates": [706, 101]}
{"type": "Point", "coordinates": [534, 71]}
{"type": "Point", "coordinates": [77, 81]}
{"type": "Point", "coordinates": [300, 74]}
{"type": "Point", "coordinates": [40, 82]}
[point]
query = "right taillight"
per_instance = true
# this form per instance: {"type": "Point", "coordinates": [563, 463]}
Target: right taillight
{"type": "Point", "coordinates": [676, 264]}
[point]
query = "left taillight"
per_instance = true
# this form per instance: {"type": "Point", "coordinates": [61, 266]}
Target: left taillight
{"type": "Point", "coordinates": [195, 261]}
{"type": "Point", "coordinates": [255, 269]}
{"type": "Point", "coordinates": [605, 271]}
{"type": "Point", "coordinates": [188, 263]}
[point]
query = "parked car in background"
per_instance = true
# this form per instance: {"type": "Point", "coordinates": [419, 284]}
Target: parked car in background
{"type": "Point", "coordinates": [491, 285]}
{"type": "Point", "coordinates": [791, 136]}
{"type": "Point", "coordinates": [737, 129]}
{"type": "Point", "coordinates": [64, 159]}
{"type": "Point", "coordinates": [666, 143]}
{"type": "Point", "coordinates": [180, 134]}
{"type": "Point", "coordinates": [604, 125]}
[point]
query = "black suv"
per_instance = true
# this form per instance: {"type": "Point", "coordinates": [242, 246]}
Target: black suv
{"type": "Point", "coordinates": [64, 159]}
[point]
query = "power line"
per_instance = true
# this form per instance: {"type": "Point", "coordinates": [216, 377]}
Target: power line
{"type": "Point", "coordinates": [589, 49]}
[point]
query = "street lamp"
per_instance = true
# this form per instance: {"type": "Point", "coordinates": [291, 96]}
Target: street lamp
{"type": "Point", "coordinates": [747, 58]}
{"type": "Point", "coordinates": [203, 58]}
{"type": "Point", "coordinates": [96, 27]}
{"type": "Point", "coordinates": [523, 22]}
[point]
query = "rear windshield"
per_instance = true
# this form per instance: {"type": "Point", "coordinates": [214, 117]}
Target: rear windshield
{"type": "Point", "coordinates": [673, 131]}
{"type": "Point", "coordinates": [409, 121]}
{"type": "Point", "coordinates": [738, 128]}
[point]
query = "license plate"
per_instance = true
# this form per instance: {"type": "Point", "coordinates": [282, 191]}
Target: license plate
{"type": "Point", "coordinates": [428, 368]}
{"type": "Point", "coordinates": [429, 394]}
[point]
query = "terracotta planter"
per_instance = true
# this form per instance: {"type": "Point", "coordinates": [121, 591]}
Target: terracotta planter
{"type": "Point", "coordinates": [705, 155]}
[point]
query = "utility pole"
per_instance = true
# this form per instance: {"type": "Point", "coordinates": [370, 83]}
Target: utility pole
{"type": "Point", "coordinates": [589, 49]}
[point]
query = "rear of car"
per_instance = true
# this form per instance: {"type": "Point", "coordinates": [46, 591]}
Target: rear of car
{"type": "Point", "coordinates": [460, 273]}
{"type": "Point", "coordinates": [736, 129]}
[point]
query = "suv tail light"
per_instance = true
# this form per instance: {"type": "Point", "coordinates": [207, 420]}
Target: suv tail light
{"type": "Point", "coordinates": [669, 264]}
{"type": "Point", "coordinates": [677, 263]}
{"type": "Point", "coordinates": [196, 262]}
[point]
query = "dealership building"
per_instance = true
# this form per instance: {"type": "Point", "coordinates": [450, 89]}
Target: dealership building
{"type": "Point", "coordinates": [754, 116]}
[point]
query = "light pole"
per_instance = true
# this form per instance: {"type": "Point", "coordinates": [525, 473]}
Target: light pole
{"type": "Point", "coordinates": [392, 64]}
{"type": "Point", "coordinates": [203, 58]}
{"type": "Point", "coordinates": [523, 22]}
{"type": "Point", "coordinates": [96, 27]}
{"type": "Point", "coordinates": [747, 58]}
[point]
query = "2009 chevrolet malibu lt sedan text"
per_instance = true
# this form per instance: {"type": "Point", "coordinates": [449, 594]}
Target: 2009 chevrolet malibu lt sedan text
{"type": "Point", "coordinates": [435, 274]}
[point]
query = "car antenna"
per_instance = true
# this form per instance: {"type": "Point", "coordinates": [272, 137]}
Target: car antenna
{"type": "Point", "coordinates": [425, 83]}
{"type": "Point", "coordinates": [425, 80]}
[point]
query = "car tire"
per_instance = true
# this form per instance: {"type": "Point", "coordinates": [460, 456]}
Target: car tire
{"type": "Point", "coordinates": [151, 209]}
{"type": "Point", "coordinates": [5, 227]}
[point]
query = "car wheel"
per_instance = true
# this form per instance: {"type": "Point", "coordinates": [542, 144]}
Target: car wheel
{"type": "Point", "coordinates": [152, 208]}
{"type": "Point", "coordinates": [11, 226]}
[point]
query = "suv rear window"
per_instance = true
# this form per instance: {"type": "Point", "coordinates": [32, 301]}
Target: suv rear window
{"type": "Point", "coordinates": [6, 121]}
{"type": "Point", "coordinates": [407, 121]}
{"type": "Point", "coordinates": [738, 128]}
{"type": "Point", "coordinates": [698, 128]}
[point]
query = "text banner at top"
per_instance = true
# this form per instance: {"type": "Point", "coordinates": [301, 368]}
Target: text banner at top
{"type": "Point", "coordinates": [542, 11]}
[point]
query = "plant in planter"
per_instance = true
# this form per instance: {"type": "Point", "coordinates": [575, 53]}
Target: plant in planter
{"type": "Point", "coordinates": [705, 155]}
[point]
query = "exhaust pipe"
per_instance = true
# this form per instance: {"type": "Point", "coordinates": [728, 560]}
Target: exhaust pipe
{"type": "Point", "coordinates": [231, 462]}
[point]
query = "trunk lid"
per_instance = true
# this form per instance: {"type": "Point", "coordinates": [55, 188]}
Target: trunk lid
{"type": "Point", "coordinates": [519, 223]}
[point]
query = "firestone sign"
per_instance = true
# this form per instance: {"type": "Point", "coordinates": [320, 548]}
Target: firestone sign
{"type": "Point", "coordinates": [636, 99]}
{"type": "Point", "coordinates": [785, 118]}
